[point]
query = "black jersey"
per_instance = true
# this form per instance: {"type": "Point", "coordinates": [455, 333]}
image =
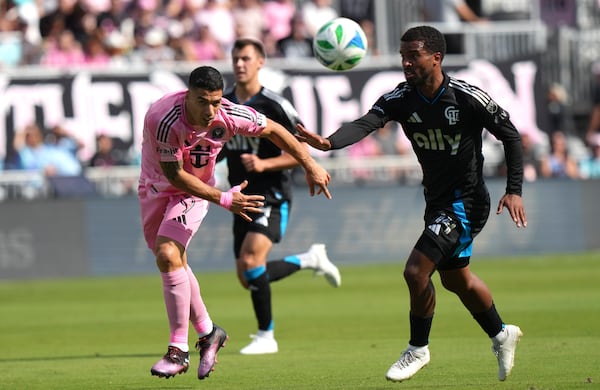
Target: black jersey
{"type": "Point", "coordinates": [446, 136]}
{"type": "Point", "coordinates": [278, 109]}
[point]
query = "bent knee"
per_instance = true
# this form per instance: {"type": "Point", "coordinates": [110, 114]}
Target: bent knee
{"type": "Point", "coordinates": [455, 281]}
{"type": "Point", "coordinates": [168, 256]}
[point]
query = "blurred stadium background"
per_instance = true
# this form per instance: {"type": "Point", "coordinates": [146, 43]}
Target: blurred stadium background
{"type": "Point", "coordinates": [87, 223]}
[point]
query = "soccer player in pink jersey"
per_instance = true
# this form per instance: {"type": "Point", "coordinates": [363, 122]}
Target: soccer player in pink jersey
{"type": "Point", "coordinates": [183, 134]}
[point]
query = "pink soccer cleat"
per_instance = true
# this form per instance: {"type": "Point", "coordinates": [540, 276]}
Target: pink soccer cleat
{"type": "Point", "coordinates": [174, 362]}
{"type": "Point", "coordinates": [208, 346]}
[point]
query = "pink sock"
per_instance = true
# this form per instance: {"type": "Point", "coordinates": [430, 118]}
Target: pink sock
{"type": "Point", "coordinates": [198, 313]}
{"type": "Point", "coordinates": [176, 291]}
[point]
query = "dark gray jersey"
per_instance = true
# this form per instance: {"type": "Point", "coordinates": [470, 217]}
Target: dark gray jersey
{"type": "Point", "coordinates": [446, 135]}
{"type": "Point", "coordinates": [280, 110]}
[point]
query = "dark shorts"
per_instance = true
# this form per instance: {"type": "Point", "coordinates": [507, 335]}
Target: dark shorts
{"type": "Point", "coordinates": [272, 222]}
{"type": "Point", "coordinates": [449, 232]}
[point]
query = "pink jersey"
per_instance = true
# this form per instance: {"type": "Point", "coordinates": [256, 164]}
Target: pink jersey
{"type": "Point", "coordinates": [168, 137]}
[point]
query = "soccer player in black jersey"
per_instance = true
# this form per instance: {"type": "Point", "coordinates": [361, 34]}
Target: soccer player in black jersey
{"type": "Point", "coordinates": [268, 172]}
{"type": "Point", "coordinates": [444, 118]}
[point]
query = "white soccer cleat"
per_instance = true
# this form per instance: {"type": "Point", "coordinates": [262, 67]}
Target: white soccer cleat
{"type": "Point", "coordinates": [505, 352]}
{"type": "Point", "coordinates": [324, 266]}
{"type": "Point", "coordinates": [410, 362]}
{"type": "Point", "coordinates": [260, 346]}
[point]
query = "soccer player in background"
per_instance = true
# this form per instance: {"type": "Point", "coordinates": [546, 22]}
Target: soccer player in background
{"type": "Point", "coordinates": [183, 135]}
{"type": "Point", "coordinates": [268, 172]}
{"type": "Point", "coordinates": [444, 118]}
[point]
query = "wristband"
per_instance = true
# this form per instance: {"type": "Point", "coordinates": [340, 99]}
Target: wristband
{"type": "Point", "coordinates": [226, 199]}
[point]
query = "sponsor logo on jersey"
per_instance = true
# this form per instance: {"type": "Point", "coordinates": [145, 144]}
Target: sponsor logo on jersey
{"type": "Point", "coordinates": [434, 139]}
{"type": "Point", "coordinates": [245, 144]}
{"type": "Point", "coordinates": [166, 151]}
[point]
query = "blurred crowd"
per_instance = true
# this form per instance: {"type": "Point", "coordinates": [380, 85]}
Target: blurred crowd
{"type": "Point", "coordinates": [59, 33]}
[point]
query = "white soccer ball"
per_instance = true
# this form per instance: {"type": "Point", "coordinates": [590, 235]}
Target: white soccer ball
{"type": "Point", "coordinates": [340, 44]}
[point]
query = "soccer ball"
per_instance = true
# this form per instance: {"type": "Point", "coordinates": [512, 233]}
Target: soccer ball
{"type": "Point", "coordinates": [340, 44]}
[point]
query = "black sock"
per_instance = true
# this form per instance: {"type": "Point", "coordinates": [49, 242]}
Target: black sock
{"type": "Point", "coordinates": [489, 321]}
{"type": "Point", "coordinates": [260, 291]}
{"type": "Point", "coordinates": [279, 269]}
{"type": "Point", "coordinates": [419, 331]}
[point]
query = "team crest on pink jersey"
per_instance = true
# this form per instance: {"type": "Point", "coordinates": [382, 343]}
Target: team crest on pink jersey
{"type": "Point", "coordinates": [217, 133]}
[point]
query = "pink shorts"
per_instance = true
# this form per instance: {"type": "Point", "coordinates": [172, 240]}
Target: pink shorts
{"type": "Point", "coordinates": [177, 217]}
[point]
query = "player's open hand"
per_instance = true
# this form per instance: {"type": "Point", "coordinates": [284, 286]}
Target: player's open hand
{"type": "Point", "coordinates": [514, 205]}
{"type": "Point", "coordinates": [242, 204]}
{"type": "Point", "coordinates": [313, 139]}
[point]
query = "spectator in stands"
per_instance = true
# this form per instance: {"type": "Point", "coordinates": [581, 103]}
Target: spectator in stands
{"type": "Point", "coordinates": [69, 15]}
{"type": "Point", "coordinates": [63, 52]}
{"type": "Point", "coordinates": [249, 19]}
{"type": "Point", "coordinates": [589, 168]}
{"type": "Point", "coordinates": [299, 43]}
{"type": "Point", "coordinates": [64, 139]}
{"type": "Point", "coordinates": [316, 13]}
{"type": "Point", "coordinates": [278, 15]}
{"type": "Point", "coordinates": [451, 13]}
{"type": "Point", "coordinates": [114, 18]}
{"type": "Point", "coordinates": [106, 155]}
{"type": "Point", "coordinates": [95, 52]}
{"type": "Point", "coordinates": [204, 47]}
{"type": "Point", "coordinates": [594, 122]}
{"type": "Point", "coordinates": [217, 16]}
{"type": "Point", "coordinates": [118, 48]}
{"type": "Point", "coordinates": [155, 48]}
{"type": "Point", "coordinates": [47, 158]}
{"type": "Point", "coordinates": [29, 12]}
{"type": "Point", "coordinates": [559, 163]}
{"type": "Point", "coordinates": [558, 110]}
{"type": "Point", "coordinates": [10, 42]}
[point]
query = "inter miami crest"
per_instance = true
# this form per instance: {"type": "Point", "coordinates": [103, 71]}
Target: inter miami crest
{"type": "Point", "coordinates": [217, 133]}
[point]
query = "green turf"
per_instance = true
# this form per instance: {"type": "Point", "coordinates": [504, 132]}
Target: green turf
{"type": "Point", "coordinates": [105, 333]}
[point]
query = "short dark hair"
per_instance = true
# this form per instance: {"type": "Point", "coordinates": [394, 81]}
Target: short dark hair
{"type": "Point", "coordinates": [240, 43]}
{"type": "Point", "coordinates": [433, 40]}
{"type": "Point", "coordinates": [206, 77]}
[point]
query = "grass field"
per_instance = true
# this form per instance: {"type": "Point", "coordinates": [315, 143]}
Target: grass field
{"type": "Point", "coordinates": [105, 333]}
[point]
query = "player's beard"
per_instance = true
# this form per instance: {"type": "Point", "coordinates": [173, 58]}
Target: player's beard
{"type": "Point", "coordinates": [417, 78]}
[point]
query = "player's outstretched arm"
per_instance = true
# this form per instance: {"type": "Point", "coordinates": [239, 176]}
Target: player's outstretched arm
{"type": "Point", "coordinates": [317, 177]}
{"type": "Point", "coordinates": [514, 205]}
{"type": "Point", "coordinates": [313, 139]}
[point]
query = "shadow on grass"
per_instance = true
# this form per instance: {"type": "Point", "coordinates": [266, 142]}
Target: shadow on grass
{"type": "Point", "coordinates": [94, 356]}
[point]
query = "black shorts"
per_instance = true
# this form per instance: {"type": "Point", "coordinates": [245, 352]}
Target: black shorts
{"type": "Point", "coordinates": [272, 222]}
{"type": "Point", "coordinates": [449, 232]}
